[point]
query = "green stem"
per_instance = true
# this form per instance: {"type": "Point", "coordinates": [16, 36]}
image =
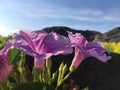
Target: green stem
{"type": "Point", "coordinates": [17, 80]}
{"type": "Point", "coordinates": [36, 75]}
{"type": "Point", "coordinates": [40, 77]}
{"type": "Point", "coordinates": [63, 80]}
{"type": "Point", "coordinates": [4, 86]}
{"type": "Point", "coordinates": [49, 76]}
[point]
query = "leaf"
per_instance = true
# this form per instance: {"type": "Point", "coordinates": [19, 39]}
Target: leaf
{"type": "Point", "coordinates": [11, 83]}
{"type": "Point", "coordinates": [34, 86]}
{"type": "Point", "coordinates": [16, 57]}
{"type": "Point", "coordinates": [2, 42]}
{"type": "Point", "coordinates": [14, 54]}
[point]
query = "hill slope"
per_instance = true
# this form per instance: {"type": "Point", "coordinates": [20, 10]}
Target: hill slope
{"type": "Point", "coordinates": [110, 36]}
{"type": "Point", "coordinates": [90, 35]}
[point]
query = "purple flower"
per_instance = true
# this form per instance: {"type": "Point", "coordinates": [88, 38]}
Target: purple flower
{"type": "Point", "coordinates": [84, 49]}
{"type": "Point", "coordinates": [4, 63]}
{"type": "Point", "coordinates": [41, 45]}
{"type": "Point", "coordinates": [7, 47]}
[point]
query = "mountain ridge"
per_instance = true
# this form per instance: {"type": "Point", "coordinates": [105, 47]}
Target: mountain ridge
{"type": "Point", "coordinates": [91, 35]}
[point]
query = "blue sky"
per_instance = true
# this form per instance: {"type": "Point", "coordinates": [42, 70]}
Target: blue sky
{"type": "Point", "coordinates": [100, 15]}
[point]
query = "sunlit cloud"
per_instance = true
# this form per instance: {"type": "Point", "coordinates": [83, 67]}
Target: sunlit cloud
{"type": "Point", "coordinates": [5, 31]}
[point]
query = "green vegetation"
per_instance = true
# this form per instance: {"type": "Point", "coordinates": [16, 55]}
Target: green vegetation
{"type": "Point", "coordinates": [2, 42]}
{"type": "Point", "coordinates": [112, 47]}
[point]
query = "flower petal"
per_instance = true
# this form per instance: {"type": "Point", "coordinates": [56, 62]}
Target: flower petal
{"type": "Point", "coordinates": [7, 47]}
{"type": "Point", "coordinates": [4, 67]}
{"type": "Point", "coordinates": [24, 38]}
{"type": "Point", "coordinates": [86, 49]}
{"type": "Point", "coordinates": [78, 58]}
{"type": "Point", "coordinates": [56, 44]}
{"type": "Point", "coordinates": [42, 45]}
{"type": "Point", "coordinates": [78, 39]}
{"type": "Point", "coordinates": [39, 64]}
{"type": "Point", "coordinates": [96, 50]}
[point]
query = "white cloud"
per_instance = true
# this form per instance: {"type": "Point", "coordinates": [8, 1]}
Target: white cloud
{"type": "Point", "coordinates": [112, 15]}
{"type": "Point", "coordinates": [83, 18]}
{"type": "Point", "coordinates": [65, 13]}
{"type": "Point", "coordinates": [74, 14]}
{"type": "Point", "coordinates": [111, 18]}
{"type": "Point", "coordinates": [48, 10]}
{"type": "Point", "coordinates": [5, 31]}
{"type": "Point", "coordinates": [88, 12]}
{"type": "Point", "coordinates": [58, 15]}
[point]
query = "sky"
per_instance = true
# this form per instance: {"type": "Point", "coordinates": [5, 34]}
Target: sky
{"type": "Point", "coordinates": [99, 15]}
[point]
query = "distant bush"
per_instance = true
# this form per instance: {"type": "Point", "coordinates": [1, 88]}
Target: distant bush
{"type": "Point", "coordinates": [112, 47]}
{"type": "Point", "coordinates": [2, 42]}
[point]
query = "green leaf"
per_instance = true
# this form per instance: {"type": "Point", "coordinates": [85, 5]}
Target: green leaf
{"type": "Point", "coordinates": [20, 70]}
{"type": "Point", "coordinates": [2, 42]}
{"type": "Point", "coordinates": [34, 86]}
{"type": "Point", "coordinates": [54, 76]}
{"type": "Point", "coordinates": [14, 56]}
{"type": "Point", "coordinates": [11, 83]}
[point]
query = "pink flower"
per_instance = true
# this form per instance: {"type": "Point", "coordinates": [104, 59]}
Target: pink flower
{"type": "Point", "coordinates": [4, 67]}
{"type": "Point", "coordinates": [84, 49]}
{"type": "Point", "coordinates": [4, 63]}
{"type": "Point", "coordinates": [41, 45]}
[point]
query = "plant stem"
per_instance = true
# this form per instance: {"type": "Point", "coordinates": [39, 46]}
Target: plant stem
{"type": "Point", "coordinates": [63, 80]}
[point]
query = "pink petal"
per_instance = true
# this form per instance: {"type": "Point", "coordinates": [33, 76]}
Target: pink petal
{"type": "Point", "coordinates": [86, 49]}
{"type": "Point", "coordinates": [96, 50]}
{"type": "Point", "coordinates": [39, 64]}
{"type": "Point", "coordinates": [78, 58]}
{"type": "Point", "coordinates": [56, 44]}
{"type": "Point", "coordinates": [4, 67]}
{"type": "Point", "coordinates": [42, 45]}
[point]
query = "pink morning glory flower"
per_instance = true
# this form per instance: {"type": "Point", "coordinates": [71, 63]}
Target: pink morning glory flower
{"type": "Point", "coordinates": [41, 45]}
{"type": "Point", "coordinates": [4, 62]}
{"type": "Point", "coordinates": [84, 49]}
